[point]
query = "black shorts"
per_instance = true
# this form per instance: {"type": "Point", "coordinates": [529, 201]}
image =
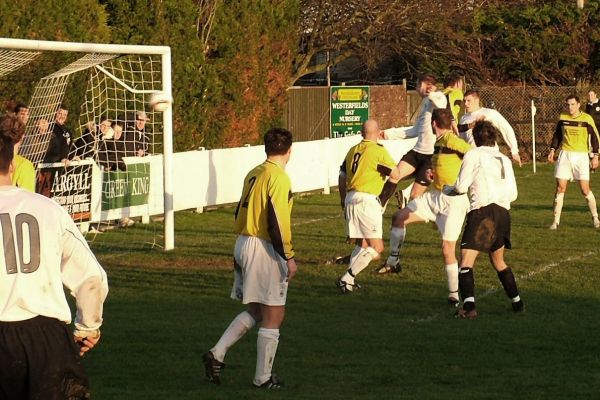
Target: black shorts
{"type": "Point", "coordinates": [421, 163]}
{"type": "Point", "coordinates": [40, 360]}
{"type": "Point", "coordinates": [487, 229]}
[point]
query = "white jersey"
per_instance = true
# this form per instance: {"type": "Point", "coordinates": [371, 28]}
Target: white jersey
{"type": "Point", "coordinates": [42, 250]}
{"type": "Point", "coordinates": [422, 128]}
{"type": "Point", "coordinates": [488, 176]}
{"type": "Point", "coordinates": [493, 116]}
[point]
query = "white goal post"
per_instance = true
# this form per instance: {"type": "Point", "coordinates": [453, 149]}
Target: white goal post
{"type": "Point", "coordinates": [16, 53]}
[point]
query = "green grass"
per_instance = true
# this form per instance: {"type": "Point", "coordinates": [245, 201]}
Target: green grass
{"type": "Point", "coordinates": [395, 339]}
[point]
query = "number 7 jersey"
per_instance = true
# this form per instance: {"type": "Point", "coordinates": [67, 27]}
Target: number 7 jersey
{"type": "Point", "coordinates": [265, 208]}
{"type": "Point", "coordinates": [42, 250]}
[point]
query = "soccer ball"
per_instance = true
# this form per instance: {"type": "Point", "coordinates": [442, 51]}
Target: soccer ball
{"type": "Point", "coordinates": [160, 101]}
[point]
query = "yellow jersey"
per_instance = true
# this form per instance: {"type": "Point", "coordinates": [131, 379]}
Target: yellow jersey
{"type": "Point", "coordinates": [361, 167]}
{"type": "Point", "coordinates": [447, 159]}
{"type": "Point", "coordinates": [24, 175]}
{"type": "Point", "coordinates": [455, 100]}
{"type": "Point", "coordinates": [265, 208]}
{"type": "Point", "coordinates": [578, 134]}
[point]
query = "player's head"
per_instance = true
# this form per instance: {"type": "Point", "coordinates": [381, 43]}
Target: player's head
{"type": "Point", "coordinates": [61, 114]}
{"type": "Point", "coordinates": [426, 84]}
{"type": "Point", "coordinates": [453, 80]}
{"type": "Point", "coordinates": [278, 142]}
{"type": "Point", "coordinates": [471, 100]}
{"type": "Point", "coordinates": [370, 129]}
{"type": "Point", "coordinates": [22, 112]}
{"type": "Point", "coordinates": [442, 119]}
{"type": "Point", "coordinates": [11, 132]}
{"type": "Point", "coordinates": [485, 134]}
{"type": "Point", "coordinates": [573, 104]}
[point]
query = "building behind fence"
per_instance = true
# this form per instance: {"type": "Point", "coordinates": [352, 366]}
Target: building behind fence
{"type": "Point", "coordinates": [308, 114]}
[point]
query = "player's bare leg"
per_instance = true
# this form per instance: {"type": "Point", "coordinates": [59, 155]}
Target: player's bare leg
{"type": "Point", "coordinates": [266, 346]}
{"type": "Point", "coordinates": [559, 195]}
{"type": "Point", "coordinates": [370, 250]}
{"type": "Point", "coordinates": [451, 267]}
{"type": "Point", "coordinates": [466, 284]}
{"type": "Point", "coordinates": [400, 219]}
{"type": "Point", "coordinates": [591, 201]}
{"type": "Point", "coordinates": [507, 278]}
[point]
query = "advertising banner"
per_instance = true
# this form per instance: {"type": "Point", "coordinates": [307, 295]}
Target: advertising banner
{"type": "Point", "coordinates": [70, 186]}
{"type": "Point", "coordinates": [126, 188]}
{"type": "Point", "coordinates": [349, 109]}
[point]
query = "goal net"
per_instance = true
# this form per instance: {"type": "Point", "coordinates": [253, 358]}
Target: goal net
{"type": "Point", "coordinates": [99, 150]}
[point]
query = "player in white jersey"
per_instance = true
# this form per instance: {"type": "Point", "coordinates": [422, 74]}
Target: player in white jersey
{"type": "Point", "coordinates": [418, 160]}
{"type": "Point", "coordinates": [42, 251]}
{"type": "Point", "coordinates": [474, 112]}
{"type": "Point", "coordinates": [487, 175]}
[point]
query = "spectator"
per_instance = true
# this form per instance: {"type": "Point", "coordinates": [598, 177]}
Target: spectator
{"type": "Point", "coordinates": [86, 146]}
{"type": "Point", "coordinates": [136, 139]}
{"type": "Point", "coordinates": [61, 138]}
{"type": "Point", "coordinates": [22, 112]}
{"type": "Point", "coordinates": [112, 149]}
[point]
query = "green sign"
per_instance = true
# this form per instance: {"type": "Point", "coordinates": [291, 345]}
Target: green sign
{"type": "Point", "coordinates": [126, 188]}
{"type": "Point", "coordinates": [349, 109]}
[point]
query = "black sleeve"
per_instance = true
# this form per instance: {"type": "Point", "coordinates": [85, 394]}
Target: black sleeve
{"type": "Point", "coordinates": [558, 136]}
{"type": "Point", "coordinates": [593, 139]}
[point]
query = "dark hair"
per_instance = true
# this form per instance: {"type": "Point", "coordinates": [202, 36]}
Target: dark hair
{"type": "Point", "coordinates": [277, 141]}
{"type": "Point", "coordinates": [11, 132]}
{"type": "Point", "coordinates": [472, 92]}
{"type": "Point", "coordinates": [61, 106]}
{"type": "Point", "coordinates": [484, 133]}
{"type": "Point", "coordinates": [452, 79]}
{"type": "Point", "coordinates": [573, 96]}
{"type": "Point", "coordinates": [19, 106]}
{"type": "Point", "coordinates": [442, 117]}
{"type": "Point", "coordinates": [427, 78]}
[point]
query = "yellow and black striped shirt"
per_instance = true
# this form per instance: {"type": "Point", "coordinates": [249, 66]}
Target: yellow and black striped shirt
{"type": "Point", "coordinates": [361, 167]}
{"type": "Point", "coordinates": [449, 152]}
{"type": "Point", "coordinates": [578, 134]}
{"type": "Point", "coordinates": [265, 208]}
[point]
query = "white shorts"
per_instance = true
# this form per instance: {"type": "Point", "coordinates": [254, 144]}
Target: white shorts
{"type": "Point", "coordinates": [448, 212]}
{"type": "Point", "coordinates": [572, 165]}
{"type": "Point", "coordinates": [260, 273]}
{"type": "Point", "coordinates": [364, 216]}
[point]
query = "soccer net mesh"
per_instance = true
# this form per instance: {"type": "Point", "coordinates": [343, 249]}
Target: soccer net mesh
{"type": "Point", "coordinates": [96, 146]}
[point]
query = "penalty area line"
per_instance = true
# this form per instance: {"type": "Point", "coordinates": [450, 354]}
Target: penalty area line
{"type": "Point", "coordinates": [520, 278]}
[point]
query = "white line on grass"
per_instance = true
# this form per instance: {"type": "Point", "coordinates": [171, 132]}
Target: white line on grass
{"type": "Point", "coordinates": [310, 221]}
{"type": "Point", "coordinates": [520, 278]}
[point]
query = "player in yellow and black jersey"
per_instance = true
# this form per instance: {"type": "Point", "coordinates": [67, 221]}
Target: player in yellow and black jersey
{"type": "Point", "coordinates": [577, 137]}
{"type": "Point", "coordinates": [362, 176]}
{"type": "Point", "coordinates": [263, 261]}
{"type": "Point", "coordinates": [453, 90]}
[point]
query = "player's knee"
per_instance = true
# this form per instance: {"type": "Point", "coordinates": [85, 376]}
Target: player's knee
{"type": "Point", "coordinates": [448, 249]}
{"type": "Point", "coordinates": [378, 247]}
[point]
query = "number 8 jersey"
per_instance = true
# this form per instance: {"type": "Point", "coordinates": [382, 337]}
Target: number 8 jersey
{"type": "Point", "coordinates": [42, 250]}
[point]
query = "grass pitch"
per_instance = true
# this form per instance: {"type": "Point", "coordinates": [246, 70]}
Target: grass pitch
{"type": "Point", "coordinates": [394, 339]}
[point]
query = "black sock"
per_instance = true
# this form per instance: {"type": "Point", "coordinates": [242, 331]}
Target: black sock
{"type": "Point", "coordinates": [466, 286]}
{"type": "Point", "coordinates": [508, 283]}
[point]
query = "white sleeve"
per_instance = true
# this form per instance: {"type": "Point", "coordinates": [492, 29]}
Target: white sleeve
{"type": "Point", "coordinates": [399, 133]}
{"type": "Point", "coordinates": [507, 132]}
{"type": "Point", "coordinates": [512, 192]}
{"type": "Point", "coordinates": [84, 277]}
{"type": "Point", "coordinates": [466, 174]}
{"type": "Point", "coordinates": [438, 99]}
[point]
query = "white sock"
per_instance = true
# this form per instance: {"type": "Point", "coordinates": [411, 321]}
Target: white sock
{"type": "Point", "coordinates": [452, 275]}
{"type": "Point", "coordinates": [591, 201]}
{"type": "Point", "coordinates": [361, 262]}
{"type": "Point", "coordinates": [397, 236]}
{"type": "Point", "coordinates": [266, 347]}
{"type": "Point", "coordinates": [558, 204]}
{"type": "Point", "coordinates": [355, 251]}
{"type": "Point", "coordinates": [241, 324]}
